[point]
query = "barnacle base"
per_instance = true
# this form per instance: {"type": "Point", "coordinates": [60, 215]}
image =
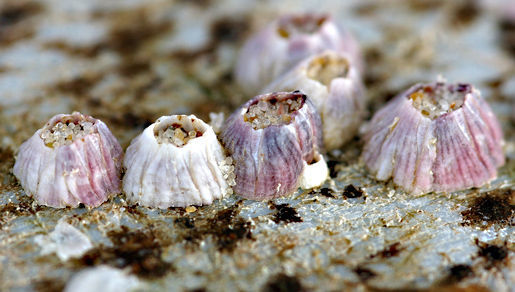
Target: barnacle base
{"type": "Point", "coordinates": [314, 174]}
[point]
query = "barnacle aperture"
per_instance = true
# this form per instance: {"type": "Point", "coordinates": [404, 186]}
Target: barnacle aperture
{"type": "Point", "coordinates": [176, 162]}
{"type": "Point", "coordinates": [435, 137]}
{"type": "Point", "coordinates": [334, 85]}
{"type": "Point", "coordinates": [287, 41]}
{"type": "Point", "coordinates": [274, 140]}
{"type": "Point", "coordinates": [73, 159]}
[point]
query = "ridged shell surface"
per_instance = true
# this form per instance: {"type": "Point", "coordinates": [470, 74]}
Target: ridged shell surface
{"type": "Point", "coordinates": [269, 161]}
{"type": "Point", "coordinates": [340, 101]}
{"type": "Point", "coordinates": [86, 171]}
{"type": "Point", "coordinates": [165, 175]}
{"type": "Point", "coordinates": [453, 151]}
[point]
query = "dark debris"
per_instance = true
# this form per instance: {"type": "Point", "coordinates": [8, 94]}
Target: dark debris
{"type": "Point", "coordinates": [16, 11]}
{"type": "Point", "coordinates": [285, 214]}
{"type": "Point", "coordinates": [457, 273]}
{"type": "Point", "coordinates": [331, 164]}
{"type": "Point", "coordinates": [493, 254]}
{"type": "Point", "coordinates": [141, 251]}
{"type": "Point", "coordinates": [7, 179]}
{"type": "Point", "coordinates": [226, 229]}
{"type": "Point", "coordinates": [230, 29]}
{"type": "Point", "coordinates": [364, 274]}
{"type": "Point", "coordinates": [390, 251]}
{"type": "Point", "coordinates": [463, 13]}
{"type": "Point", "coordinates": [283, 283]}
{"type": "Point", "coordinates": [495, 207]}
{"type": "Point", "coordinates": [326, 192]}
{"type": "Point", "coordinates": [351, 191]}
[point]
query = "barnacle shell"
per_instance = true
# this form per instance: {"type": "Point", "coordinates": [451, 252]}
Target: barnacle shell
{"type": "Point", "coordinates": [334, 85]}
{"type": "Point", "coordinates": [435, 137]}
{"type": "Point", "coordinates": [285, 42]}
{"type": "Point", "coordinates": [274, 140]}
{"type": "Point", "coordinates": [176, 170]}
{"type": "Point", "coordinates": [60, 167]}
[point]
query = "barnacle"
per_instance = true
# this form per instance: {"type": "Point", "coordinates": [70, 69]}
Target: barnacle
{"type": "Point", "coordinates": [285, 42]}
{"type": "Point", "coordinates": [274, 140]}
{"type": "Point", "coordinates": [435, 137]}
{"type": "Point", "coordinates": [73, 159]}
{"type": "Point", "coordinates": [176, 162]}
{"type": "Point", "coordinates": [334, 85]}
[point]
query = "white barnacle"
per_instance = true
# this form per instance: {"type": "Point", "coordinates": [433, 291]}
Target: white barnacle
{"type": "Point", "coordinates": [176, 162]}
{"type": "Point", "coordinates": [333, 83]}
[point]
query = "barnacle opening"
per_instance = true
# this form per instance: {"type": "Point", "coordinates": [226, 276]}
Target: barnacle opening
{"type": "Point", "coordinates": [273, 109]}
{"type": "Point", "coordinates": [326, 67]}
{"type": "Point", "coordinates": [300, 24]}
{"type": "Point", "coordinates": [67, 129]}
{"type": "Point", "coordinates": [437, 99]}
{"type": "Point", "coordinates": [178, 130]}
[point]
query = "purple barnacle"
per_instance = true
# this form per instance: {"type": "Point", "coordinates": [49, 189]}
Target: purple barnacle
{"type": "Point", "coordinates": [435, 138]}
{"type": "Point", "coordinates": [73, 159]}
{"type": "Point", "coordinates": [334, 85]}
{"type": "Point", "coordinates": [274, 140]}
{"type": "Point", "coordinates": [285, 42]}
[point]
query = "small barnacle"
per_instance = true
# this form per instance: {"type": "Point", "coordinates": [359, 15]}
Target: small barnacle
{"type": "Point", "coordinates": [446, 138]}
{"type": "Point", "coordinates": [284, 43]}
{"type": "Point", "coordinates": [176, 162]}
{"type": "Point", "coordinates": [73, 159]}
{"type": "Point", "coordinates": [274, 140]}
{"type": "Point", "coordinates": [334, 85]}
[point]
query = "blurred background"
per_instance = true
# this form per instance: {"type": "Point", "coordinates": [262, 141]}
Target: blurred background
{"type": "Point", "coordinates": [129, 62]}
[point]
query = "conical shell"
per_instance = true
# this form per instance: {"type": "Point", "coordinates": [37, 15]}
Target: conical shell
{"type": "Point", "coordinates": [162, 174]}
{"type": "Point", "coordinates": [287, 41]}
{"type": "Point", "coordinates": [86, 171]}
{"type": "Point", "coordinates": [270, 161]}
{"type": "Point", "coordinates": [452, 151]}
{"type": "Point", "coordinates": [334, 85]}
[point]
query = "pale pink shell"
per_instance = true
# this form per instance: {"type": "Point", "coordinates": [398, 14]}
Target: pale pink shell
{"type": "Point", "coordinates": [269, 162]}
{"type": "Point", "coordinates": [455, 151]}
{"type": "Point", "coordinates": [86, 171]}
{"type": "Point", "coordinates": [267, 54]}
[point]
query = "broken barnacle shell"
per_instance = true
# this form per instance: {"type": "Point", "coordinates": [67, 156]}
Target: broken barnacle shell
{"type": "Point", "coordinates": [176, 162]}
{"type": "Point", "coordinates": [435, 137]}
{"type": "Point", "coordinates": [73, 159]}
{"type": "Point", "coordinates": [274, 140]}
{"type": "Point", "coordinates": [334, 85]}
{"type": "Point", "coordinates": [285, 42]}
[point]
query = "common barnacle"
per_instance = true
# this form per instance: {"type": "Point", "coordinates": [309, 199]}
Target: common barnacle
{"type": "Point", "coordinates": [435, 137]}
{"type": "Point", "coordinates": [73, 159]}
{"type": "Point", "coordinates": [334, 85]}
{"type": "Point", "coordinates": [176, 162]}
{"type": "Point", "coordinates": [275, 140]}
{"type": "Point", "coordinates": [285, 42]}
